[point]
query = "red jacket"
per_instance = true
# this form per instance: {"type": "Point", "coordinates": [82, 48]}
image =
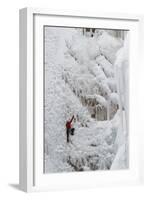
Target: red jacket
{"type": "Point", "coordinates": [69, 123]}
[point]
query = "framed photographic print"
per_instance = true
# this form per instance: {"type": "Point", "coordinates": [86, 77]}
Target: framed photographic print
{"type": "Point", "coordinates": [79, 118]}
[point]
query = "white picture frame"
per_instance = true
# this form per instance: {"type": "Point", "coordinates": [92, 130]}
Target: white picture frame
{"type": "Point", "coordinates": [31, 90]}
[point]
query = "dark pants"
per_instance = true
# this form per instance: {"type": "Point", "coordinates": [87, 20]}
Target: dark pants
{"type": "Point", "coordinates": [69, 131]}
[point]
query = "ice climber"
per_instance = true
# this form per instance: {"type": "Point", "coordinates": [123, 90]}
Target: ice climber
{"type": "Point", "coordinates": [69, 129]}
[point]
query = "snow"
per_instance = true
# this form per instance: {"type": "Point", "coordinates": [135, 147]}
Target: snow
{"type": "Point", "coordinates": [106, 66]}
{"type": "Point", "coordinates": [80, 80]}
{"type": "Point", "coordinates": [114, 98]}
{"type": "Point", "coordinates": [120, 161]}
{"type": "Point", "coordinates": [109, 46]}
{"type": "Point", "coordinates": [100, 99]}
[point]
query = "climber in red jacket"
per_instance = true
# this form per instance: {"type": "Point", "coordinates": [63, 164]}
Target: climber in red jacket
{"type": "Point", "coordinates": [69, 129]}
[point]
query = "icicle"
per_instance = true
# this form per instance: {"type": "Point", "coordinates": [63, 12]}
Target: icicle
{"type": "Point", "coordinates": [108, 109]}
